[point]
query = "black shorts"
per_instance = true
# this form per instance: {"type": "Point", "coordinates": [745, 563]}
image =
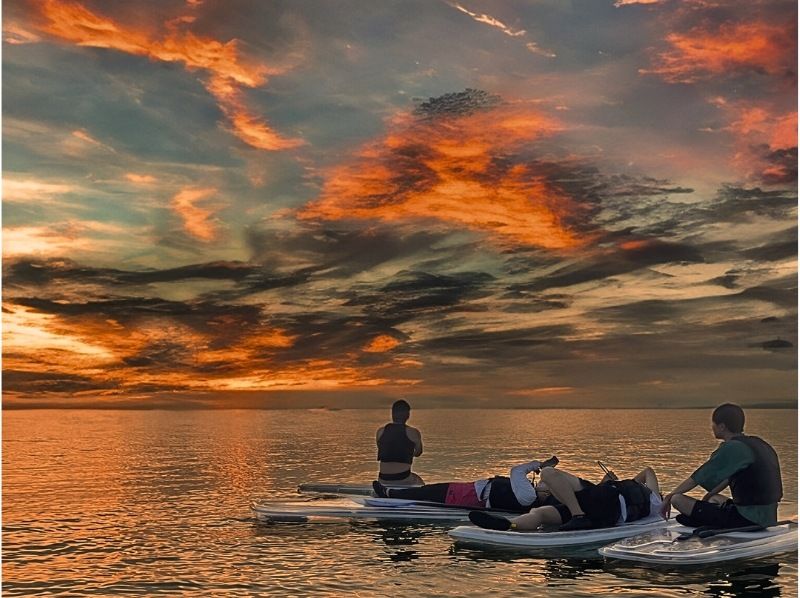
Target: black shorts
{"type": "Point", "coordinates": [711, 514]}
{"type": "Point", "coordinates": [599, 502]}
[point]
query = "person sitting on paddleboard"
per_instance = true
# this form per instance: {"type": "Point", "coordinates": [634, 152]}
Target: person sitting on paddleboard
{"type": "Point", "coordinates": [514, 493]}
{"type": "Point", "coordinates": [398, 444]}
{"type": "Point", "coordinates": [747, 464]}
{"type": "Point", "coordinates": [581, 504]}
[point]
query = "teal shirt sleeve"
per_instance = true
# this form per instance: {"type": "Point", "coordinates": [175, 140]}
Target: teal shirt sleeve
{"type": "Point", "coordinates": [729, 458]}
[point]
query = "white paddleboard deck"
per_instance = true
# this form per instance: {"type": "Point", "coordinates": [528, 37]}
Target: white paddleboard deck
{"type": "Point", "coordinates": [661, 547]}
{"type": "Point", "coordinates": [538, 539]}
{"type": "Point", "coordinates": [389, 509]}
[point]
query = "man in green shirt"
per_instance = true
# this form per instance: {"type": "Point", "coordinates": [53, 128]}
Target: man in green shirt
{"type": "Point", "coordinates": [745, 463]}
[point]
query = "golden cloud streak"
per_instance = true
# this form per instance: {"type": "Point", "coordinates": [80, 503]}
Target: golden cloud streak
{"type": "Point", "coordinates": [72, 22]}
{"type": "Point", "coordinates": [196, 219]}
{"type": "Point", "coordinates": [449, 169]}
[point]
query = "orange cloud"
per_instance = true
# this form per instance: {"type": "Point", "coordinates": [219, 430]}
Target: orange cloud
{"type": "Point", "coordinates": [16, 34]}
{"type": "Point", "coordinates": [455, 169]}
{"type": "Point", "coordinates": [701, 53]}
{"type": "Point", "coordinates": [140, 179]}
{"type": "Point", "coordinates": [72, 22]}
{"type": "Point", "coordinates": [100, 352]}
{"type": "Point", "coordinates": [196, 219]}
{"type": "Point", "coordinates": [381, 344]}
{"type": "Point", "coordinates": [778, 131]}
{"type": "Point", "coordinates": [759, 129]}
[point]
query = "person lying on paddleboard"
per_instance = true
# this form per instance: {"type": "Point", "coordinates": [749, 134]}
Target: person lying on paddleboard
{"type": "Point", "coordinates": [582, 504]}
{"type": "Point", "coordinates": [398, 444]}
{"type": "Point", "coordinates": [515, 493]}
{"type": "Point", "coordinates": [747, 464]}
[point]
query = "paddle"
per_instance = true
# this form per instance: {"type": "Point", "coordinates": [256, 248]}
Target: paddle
{"type": "Point", "coordinates": [708, 531]}
{"type": "Point", "coordinates": [609, 474]}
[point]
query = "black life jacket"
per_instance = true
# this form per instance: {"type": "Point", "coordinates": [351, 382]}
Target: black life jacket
{"type": "Point", "coordinates": [501, 496]}
{"type": "Point", "coordinates": [394, 445]}
{"type": "Point", "coordinates": [760, 482]}
{"type": "Point", "coordinates": [637, 498]}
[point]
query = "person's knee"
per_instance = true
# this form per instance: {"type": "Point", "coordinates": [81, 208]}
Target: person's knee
{"type": "Point", "coordinates": [548, 473]}
{"type": "Point", "coordinates": [683, 503]}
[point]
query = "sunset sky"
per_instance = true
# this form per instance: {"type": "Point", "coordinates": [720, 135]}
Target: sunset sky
{"type": "Point", "coordinates": [466, 204]}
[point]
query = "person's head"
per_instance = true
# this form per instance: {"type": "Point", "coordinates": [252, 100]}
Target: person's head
{"type": "Point", "coordinates": [727, 420]}
{"type": "Point", "coordinates": [400, 411]}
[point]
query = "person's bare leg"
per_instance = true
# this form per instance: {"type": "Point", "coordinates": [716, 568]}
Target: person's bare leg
{"type": "Point", "coordinates": [683, 503]}
{"type": "Point", "coordinates": [536, 518]}
{"type": "Point", "coordinates": [563, 487]}
{"type": "Point", "coordinates": [648, 477]}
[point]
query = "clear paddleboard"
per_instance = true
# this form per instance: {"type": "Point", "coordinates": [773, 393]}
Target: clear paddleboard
{"type": "Point", "coordinates": [346, 489]}
{"type": "Point", "coordinates": [665, 547]}
{"type": "Point", "coordinates": [487, 537]}
{"type": "Point", "coordinates": [388, 509]}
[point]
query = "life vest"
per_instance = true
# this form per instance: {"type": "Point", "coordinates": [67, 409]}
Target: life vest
{"type": "Point", "coordinates": [501, 496]}
{"type": "Point", "coordinates": [394, 445]}
{"type": "Point", "coordinates": [760, 482]}
{"type": "Point", "coordinates": [637, 498]}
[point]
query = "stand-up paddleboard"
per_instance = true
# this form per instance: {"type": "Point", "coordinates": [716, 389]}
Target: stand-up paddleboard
{"type": "Point", "coordinates": [332, 488]}
{"type": "Point", "coordinates": [387, 509]}
{"type": "Point", "coordinates": [346, 489]}
{"type": "Point", "coordinates": [489, 537]}
{"type": "Point", "coordinates": [677, 546]}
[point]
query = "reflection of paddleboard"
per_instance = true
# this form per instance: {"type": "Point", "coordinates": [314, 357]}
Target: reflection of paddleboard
{"type": "Point", "coordinates": [346, 488]}
{"type": "Point", "coordinates": [662, 547]}
{"type": "Point", "coordinates": [360, 508]}
{"type": "Point", "coordinates": [477, 535]}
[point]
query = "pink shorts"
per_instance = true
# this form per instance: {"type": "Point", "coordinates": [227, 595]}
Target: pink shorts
{"type": "Point", "coordinates": [463, 495]}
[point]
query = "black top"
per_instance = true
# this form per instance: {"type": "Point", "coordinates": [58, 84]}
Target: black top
{"type": "Point", "coordinates": [501, 496]}
{"type": "Point", "coordinates": [394, 445]}
{"type": "Point", "coordinates": [760, 482]}
{"type": "Point", "coordinates": [637, 498]}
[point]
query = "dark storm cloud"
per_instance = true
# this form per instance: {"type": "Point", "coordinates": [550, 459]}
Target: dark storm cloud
{"type": "Point", "coordinates": [332, 336]}
{"type": "Point", "coordinates": [39, 382]}
{"type": "Point", "coordinates": [502, 348]}
{"type": "Point", "coordinates": [734, 203]}
{"type": "Point", "coordinates": [249, 277]}
{"type": "Point", "coordinates": [782, 166]}
{"type": "Point", "coordinates": [199, 315]}
{"type": "Point", "coordinates": [780, 247]}
{"type": "Point", "coordinates": [622, 261]}
{"type": "Point", "coordinates": [420, 293]}
{"type": "Point", "coordinates": [781, 296]}
{"type": "Point", "coordinates": [339, 250]}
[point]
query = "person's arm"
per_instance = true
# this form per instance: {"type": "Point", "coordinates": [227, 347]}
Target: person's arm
{"type": "Point", "coordinates": [415, 437]}
{"type": "Point", "coordinates": [717, 489]}
{"type": "Point", "coordinates": [378, 435]}
{"type": "Point", "coordinates": [521, 485]}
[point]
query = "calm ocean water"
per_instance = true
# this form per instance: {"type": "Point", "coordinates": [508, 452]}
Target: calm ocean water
{"type": "Point", "coordinates": [157, 502]}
